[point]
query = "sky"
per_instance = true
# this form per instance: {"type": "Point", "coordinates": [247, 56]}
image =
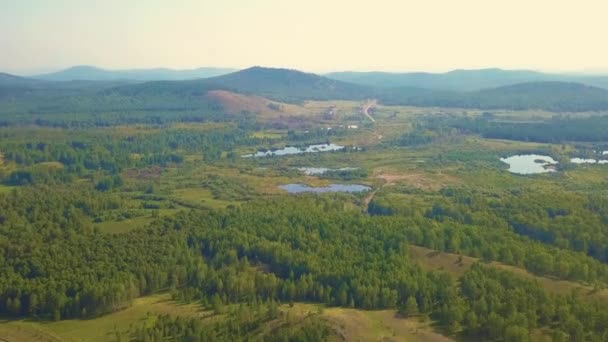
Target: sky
{"type": "Point", "coordinates": [310, 35]}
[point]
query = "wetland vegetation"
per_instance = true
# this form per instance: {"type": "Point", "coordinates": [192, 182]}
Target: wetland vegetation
{"type": "Point", "coordinates": [102, 213]}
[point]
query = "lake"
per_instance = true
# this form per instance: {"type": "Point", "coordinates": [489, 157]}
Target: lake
{"type": "Point", "coordinates": [299, 188]}
{"type": "Point", "coordinates": [527, 164]}
{"type": "Point", "coordinates": [315, 171]}
{"type": "Point", "coordinates": [295, 150]}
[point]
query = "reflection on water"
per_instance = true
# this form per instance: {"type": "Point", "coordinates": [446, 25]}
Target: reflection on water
{"type": "Point", "coordinates": [527, 164]}
{"type": "Point", "coordinates": [315, 171]}
{"type": "Point", "coordinates": [588, 161]}
{"type": "Point", "coordinates": [299, 188]}
{"type": "Point", "coordinates": [295, 150]}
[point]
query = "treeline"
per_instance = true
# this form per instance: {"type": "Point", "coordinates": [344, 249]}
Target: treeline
{"type": "Point", "coordinates": [242, 323]}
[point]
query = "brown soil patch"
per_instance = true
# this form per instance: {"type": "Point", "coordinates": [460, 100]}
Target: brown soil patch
{"type": "Point", "coordinates": [234, 103]}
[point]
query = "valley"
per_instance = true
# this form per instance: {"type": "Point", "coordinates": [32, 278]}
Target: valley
{"type": "Point", "coordinates": [262, 210]}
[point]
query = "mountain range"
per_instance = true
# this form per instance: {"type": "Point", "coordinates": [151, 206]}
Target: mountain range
{"type": "Point", "coordinates": [455, 80]}
{"type": "Point", "coordinates": [91, 73]}
{"type": "Point", "coordinates": [463, 80]}
{"type": "Point", "coordinates": [525, 90]}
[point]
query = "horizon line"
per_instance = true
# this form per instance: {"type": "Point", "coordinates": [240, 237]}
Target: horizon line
{"type": "Point", "coordinates": [44, 71]}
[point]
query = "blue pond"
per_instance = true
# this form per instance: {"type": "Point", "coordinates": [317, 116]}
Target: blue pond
{"type": "Point", "coordinates": [299, 188]}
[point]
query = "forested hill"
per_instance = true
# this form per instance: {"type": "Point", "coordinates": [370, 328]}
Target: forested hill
{"type": "Point", "coordinates": [276, 84]}
{"type": "Point", "coordinates": [557, 96]}
{"type": "Point", "coordinates": [295, 86]}
{"type": "Point", "coordinates": [551, 96]}
{"type": "Point", "coordinates": [91, 73]}
{"type": "Point", "coordinates": [462, 80]}
{"type": "Point", "coordinates": [456, 80]}
{"type": "Point", "coordinates": [26, 95]}
{"type": "Point", "coordinates": [4, 77]}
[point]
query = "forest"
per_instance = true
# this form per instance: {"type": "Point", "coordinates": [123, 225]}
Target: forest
{"type": "Point", "coordinates": [144, 192]}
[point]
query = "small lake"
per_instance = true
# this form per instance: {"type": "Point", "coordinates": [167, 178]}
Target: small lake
{"type": "Point", "coordinates": [295, 150]}
{"type": "Point", "coordinates": [588, 161]}
{"type": "Point", "coordinates": [299, 188]}
{"type": "Point", "coordinates": [315, 171]}
{"type": "Point", "coordinates": [527, 164]}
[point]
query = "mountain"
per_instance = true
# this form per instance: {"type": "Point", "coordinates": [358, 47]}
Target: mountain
{"type": "Point", "coordinates": [4, 77]}
{"type": "Point", "coordinates": [461, 80]}
{"type": "Point", "coordinates": [276, 84]}
{"type": "Point", "coordinates": [554, 96]}
{"type": "Point", "coordinates": [92, 73]}
{"type": "Point", "coordinates": [13, 80]}
{"type": "Point", "coordinates": [251, 89]}
{"type": "Point", "coordinates": [545, 95]}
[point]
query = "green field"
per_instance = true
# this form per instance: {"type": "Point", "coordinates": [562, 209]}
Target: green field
{"type": "Point", "coordinates": [349, 324]}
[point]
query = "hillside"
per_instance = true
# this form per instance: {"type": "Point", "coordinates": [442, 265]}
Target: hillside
{"type": "Point", "coordinates": [457, 80]}
{"type": "Point", "coordinates": [92, 73]}
{"type": "Point", "coordinates": [294, 86]}
{"type": "Point", "coordinates": [461, 80]}
{"type": "Point", "coordinates": [275, 84]}
{"type": "Point", "coordinates": [244, 89]}
{"type": "Point", "coordinates": [4, 77]}
{"type": "Point", "coordinates": [551, 96]}
{"type": "Point", "coordinates": [289, 85]}
{"type": "Point", "coordinates": [556, 96]}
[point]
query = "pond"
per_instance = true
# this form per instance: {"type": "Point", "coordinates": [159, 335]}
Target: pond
{"type": "Point", "coordinates": [527, 164]}
{"type": "Point", "coordinates": [295, 150]}
{"type": "Point", "coordinates": [299, 188]}
{"type": "Point", "coordinates": [588, 161]}
{"type": "Point", "coordinates": [315, 171]}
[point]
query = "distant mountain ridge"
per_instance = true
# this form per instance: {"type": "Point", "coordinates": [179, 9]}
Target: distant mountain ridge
{"type": "Point", "coordinates": [462, 80]}
{"type": "Point", "coordinates": [293, 86]}
{"type": "Point", "coordinates": [273, 83]}
{"type": "Point", "coordinates": [545, 95]}
{"type": "Point", "coordinates": [91, 73]}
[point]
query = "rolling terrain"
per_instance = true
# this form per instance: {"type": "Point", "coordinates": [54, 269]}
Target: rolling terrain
{"type": "Point", "coordinates": [166, 202]}
{"type": "Point", "coordinates": [91, 73]}
{"type": "Point", "coordinates": [463, 80]}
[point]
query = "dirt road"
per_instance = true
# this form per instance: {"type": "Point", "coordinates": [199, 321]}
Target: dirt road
{"type": "Point", "coordinates": [367, 106]}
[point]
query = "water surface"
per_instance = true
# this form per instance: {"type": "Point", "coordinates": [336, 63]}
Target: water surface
{"type": "Point", "coordinates": [315, 171]}
{"type": "Point", "coordinates": [299, 188]}
{"type": "Point", "coordinates": [588, 161]}
{"type": "Point", "coordinates": [527, 164]}
{"type": "Point", "coordinates": [295, 150]}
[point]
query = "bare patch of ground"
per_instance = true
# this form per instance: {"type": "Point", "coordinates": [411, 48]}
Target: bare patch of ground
{"type": "Point", "coordinates": [382, 325]}
{"type": "Point", "coordinates": [236, 103]}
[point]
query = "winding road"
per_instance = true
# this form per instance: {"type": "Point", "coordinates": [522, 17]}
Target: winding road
{"type": "Point", "coordinates": [367, 106]}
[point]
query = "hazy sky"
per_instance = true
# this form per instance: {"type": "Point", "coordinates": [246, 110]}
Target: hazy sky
{"type": "Point", "coordinates": [312, 35]}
